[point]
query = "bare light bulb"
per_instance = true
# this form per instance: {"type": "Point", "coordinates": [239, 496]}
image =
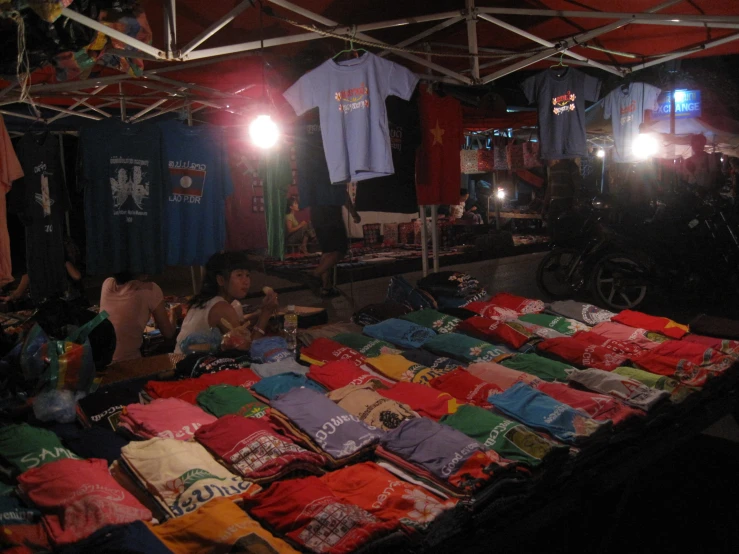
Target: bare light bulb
{"type": "Point", "coordinates": [601, 153]}
{"type": "Point", "coordinates": [645, 146]}
{"type": "Point", "coordinates": [500, 194]}
{"type": "Point", "coordinates": [263, 132]}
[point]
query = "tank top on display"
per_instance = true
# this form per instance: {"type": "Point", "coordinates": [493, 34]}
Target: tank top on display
{"type": "Point", "coordinates": [196, 321]}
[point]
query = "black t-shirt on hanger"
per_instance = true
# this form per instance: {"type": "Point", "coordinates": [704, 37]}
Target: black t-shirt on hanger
{"type": "Point", "coordinates": [396, 193]}
{"type": "Point", "coordinates": [41, 201]}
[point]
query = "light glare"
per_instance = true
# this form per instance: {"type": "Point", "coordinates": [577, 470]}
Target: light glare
{"type": "Point", "coordinates": [645, 146]}
{"type": "Point", "coordinates": [263, 132]}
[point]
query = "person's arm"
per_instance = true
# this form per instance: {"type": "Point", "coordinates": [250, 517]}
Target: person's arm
{"type": "Point", "coordinates": [270, 304]}
{"type": "Point", "coordinates": [223, 311]}
{"type": "Point", "coordinates": [164, 321]}
{"type": "Point", "coordinates": [72, 271]}
{"type": "Point", "coordinates": [292, 228]}
{"type": "Point", "coordinates": [352, 210]}
{"type": "Point", "coordinates": [19, 291]}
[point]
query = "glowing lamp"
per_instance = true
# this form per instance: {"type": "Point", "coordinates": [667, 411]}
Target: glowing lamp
{"type": "Point", "coordinates": [645, 146]}
{"type": "Point", "coordinates": [263, 132]}
{"type": "Point", "coordinates": [500, 194]}
{"type": "Point", "coordinates": [601, 153]}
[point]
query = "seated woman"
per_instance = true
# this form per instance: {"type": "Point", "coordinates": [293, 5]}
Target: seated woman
{"type": "Point", "coordinates": [130, 300]}
{"type": "Point", "coordinates": [297, 233]}
{"type": "Point", "coordinates": [226, 279]}
{"type": "Point", "coordinates": [460, 213]}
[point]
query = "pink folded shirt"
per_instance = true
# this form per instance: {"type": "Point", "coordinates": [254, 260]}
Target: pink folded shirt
{"type": "Point", "coordinates": [169, 418]}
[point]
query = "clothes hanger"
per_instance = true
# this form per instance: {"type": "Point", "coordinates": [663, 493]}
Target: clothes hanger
{"type": "Point", "coordinates": [351, 50]}
{"type": "Point", "coordinates": [560, 64]}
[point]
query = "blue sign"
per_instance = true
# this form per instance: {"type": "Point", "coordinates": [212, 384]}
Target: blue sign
{"type": "Point", "coordinates": [687, 104]}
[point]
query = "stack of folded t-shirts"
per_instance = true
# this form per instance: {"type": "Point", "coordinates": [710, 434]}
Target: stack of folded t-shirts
{"type": "Point", "coordinates": [253, 449]}
{"type": "Point", "coordinates": [449, 283]}
{"type": "Point", "coordinates": [218, 526]}
{"type": "Point", "coordinates": [195, 365]}
{"type": "Point", "coordinates": [433, 319]}
{"type": "Point", "coordinates": [386, 497]}
{"type": "Point", "coordinates": [465, 387]}
{"type": "Point", "coordinates": [284, 365]}
{"type": "Point", "coordinates": [647, 340]}
{"type": "Point", "coordinates": [540, 411]}
{"type": "Point", "coordinates": [334, 375]}
{"type": "Point", "coordinates": [274, 386]}
{"type": "Point", "coordinates": [400, 333]}
{"type": "Point", "coordinates": [678, 391]}
{"type": "Point", "coordinates": [656, 324]}
{"type": "Point", "coordinates": [545, 369]}
{"type": "Point", "coordinates": [181, 475]}
{"type": "Point", "coordinates": [24, 447]}
{"type": "Point", "coordinates": [366, 346]}
{"type": "Point", "coordinates": [582, 354]}
{"type": "Point", "coordinates": [104, 406]}
{"type": "Point", "coordinates": [269, 349]}
{"type": "Point", "coordinates": [510, 439]}
{"type": "Point", "coordinates": [622, 347]}
{"type": "Point", "coordinates": [443, 457]}
{"type": "Point", "coordinates": [467, 349]}
{"type": "Point", "coordinates": [725, 346]}
{"type": "Point", "coordinates": [221, 400]}
{"type": "Point", "coordinates": [326, 350]}
{"type": "Point", "coordinates": [165, 417]}
{"type": "Point", "coordinates": [320, 425]}
{"type": "Point", "coordinates": [629, 391]}
{"type": "Point", "coordinates": [501, 376]}
{"type": "Point", "coordinates": [556, 323]}
{"type": "Point", "coordinates": [375, 313]}
{"type": "Point", "coordinates": [307, 336]}
{"type": "Point", "coordinates": [372, 408]}
{"type": "Point", "coordinates": [313, 518]}
{"type": "Point", "coordinates": [399, 368]}
{"type": "Point", "coordinates": [455, 302]}
{"type": "Point", "coordinates": [188, 389]}
{"type": "Point", "coordinates": [509, 333]}
{"type": "Point", "coordinates": [78, 498]}
{"type": "Point", "coordinates": [585, 313]}
{"type": "Point", "coordinates": [422, 399]}
{"type": "Point", "coordinates": [428, 359]}
{"type": "Point", "coordinates": [518, 304]}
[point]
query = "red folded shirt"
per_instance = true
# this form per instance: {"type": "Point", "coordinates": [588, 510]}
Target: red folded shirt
{"type": "Point", "coordinates": [510, 334]}
{"type": "Point", "coordinates": [188, 389]}
{"type": "Point", "coordinates": [518, 304]}
{"type": "Point", "coordinates": [423, 399]}
{"type": "Point", "coordinates": [598, 406]}
{"type": "Point", "coordinates": [583, 354]}
{"type": "Point", "coordinates": [327, 350]}
{"type": "Point", "coordinates": [335, 375]}
{"type": "Point", "coordinates": [79, 497]}
{"type": "Point", "coordinates": [306, 511]}
{"type": "Point", "coordinates": [657, 324]}
{"type": "Point", "coordinates": [461, 384]}
{"type": "Point", "coordinates": [620, 347]}
{"type": "Point", "coordinates": [691, 363]}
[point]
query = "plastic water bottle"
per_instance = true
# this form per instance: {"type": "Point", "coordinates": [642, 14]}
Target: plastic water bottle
{"type": "Point", "coordinates": [291, 327]}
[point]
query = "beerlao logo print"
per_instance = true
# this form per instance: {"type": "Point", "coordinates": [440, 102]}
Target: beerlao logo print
{"type": "Point", "coordinates": [564, 103]}
{"type": "Point", "coordinates": [353, 99]}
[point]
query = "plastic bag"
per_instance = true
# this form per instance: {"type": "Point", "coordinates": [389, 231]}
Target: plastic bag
{"type": "Point", "coordinates": [56, 405]}
{"type": "Point", "coordinates": [203, 343]}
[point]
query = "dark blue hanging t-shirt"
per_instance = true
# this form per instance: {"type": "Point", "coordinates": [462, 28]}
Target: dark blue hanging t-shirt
{"type": "Point", "coordinates": [314, 183]}
{"type": "Point", "coordinates": [124, 197]}
{"type": "Point", "coordinates": [198, 182]}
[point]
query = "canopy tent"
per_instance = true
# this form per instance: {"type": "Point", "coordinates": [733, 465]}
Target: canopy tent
{"type": "Point", "coordinates": [203, 57]}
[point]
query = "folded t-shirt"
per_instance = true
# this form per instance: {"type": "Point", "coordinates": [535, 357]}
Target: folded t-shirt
{"type": "Point", "coordinates": [274, 386]}
{"type": "Point", "coordinates": [334, 375]}
{"type": "Point", "coordinates": [400, 332]}
{"type": "Point", "coordinates": [221, 400]}
{"type": "Point", "coordinates": [422, 399]}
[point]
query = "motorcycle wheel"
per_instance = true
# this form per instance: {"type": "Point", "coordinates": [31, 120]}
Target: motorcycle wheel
{"type": "Point", "coordinates": [611, 285]}
{"type": "Point", "coordinates": [556, 276]}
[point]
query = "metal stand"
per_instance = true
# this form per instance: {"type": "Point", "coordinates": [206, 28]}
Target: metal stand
{"type": "Point", "coordinates": [424, 242]}
{"type": "Point", "coordinates": [434, 236]}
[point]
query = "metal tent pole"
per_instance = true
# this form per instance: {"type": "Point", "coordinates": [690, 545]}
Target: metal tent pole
{"type": "Point", "coordinates": [434, 236]}
{"type": "Point", "coordinates": [424, 241]}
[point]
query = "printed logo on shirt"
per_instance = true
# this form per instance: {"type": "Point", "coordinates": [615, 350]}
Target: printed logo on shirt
{"type": "Point", "coordinates": [129, 179]}
{"type": "Point", "coordinates": [187, 181]}
{"type": "Point", "coordinates": [396, 137]}
{"type": "Point", "coordinates": [331, 523]}
{"type": "Point", "coordinates": [564, 103]}
{"type": "Point", "coordinates": [353, 99]}
{"type": "Point", "coordinates": [627, 112]}
{"type": "Point", "coordinates": [43, 199]}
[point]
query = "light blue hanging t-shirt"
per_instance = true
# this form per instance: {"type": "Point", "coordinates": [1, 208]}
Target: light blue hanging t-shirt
{"type": "Point", "coordinates": [198, 181]}
{"type": "Point", "coordinates": [350, 97]}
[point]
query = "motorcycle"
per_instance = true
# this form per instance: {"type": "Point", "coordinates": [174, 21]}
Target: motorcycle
{"type": "Point", "coordinates": [688, 246]}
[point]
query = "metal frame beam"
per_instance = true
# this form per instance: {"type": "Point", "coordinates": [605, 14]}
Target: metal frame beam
{"type": "Point", "coordinates": [109, 31]}
{"type": "Point", "coordinates": [83, 101]}
{"type": "Point", "coordinates": [215, 27]}
{"type": "Point", "coordinates": [472, 39]}
{"type": "Point", "coordinates": [424, 34]}
{"type": "Point", "coordinates": [700, 19]}
{"type": "Point", "coordinates": [675, 55]}
{"type": "Point", "coordinates": [170, 26]}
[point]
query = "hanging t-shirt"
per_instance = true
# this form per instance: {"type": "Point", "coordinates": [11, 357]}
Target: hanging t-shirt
{"type": "Point", "coordinates": [437, 162]}
{"type": "Point", "coordinates": [125, 192]}
{"type": "Point", "coordinates": [198, 183]}
{"type": "Point", "coordinates": [10, 170]}
{"type": "Point", "coordinates": [625, 106]}
{"type": "Point", "coordinates": [560, 95]}
{"type": "Point", "coordinates": [351, 100]}
{"type": "Point", "coordinates": [395, 193]}
{"type": "Point", "coordinates": [314, 183]}
{"type": "Point", "coordinates": [43, 203]}
{"type": "Point", "coordinates": [277, 176]}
